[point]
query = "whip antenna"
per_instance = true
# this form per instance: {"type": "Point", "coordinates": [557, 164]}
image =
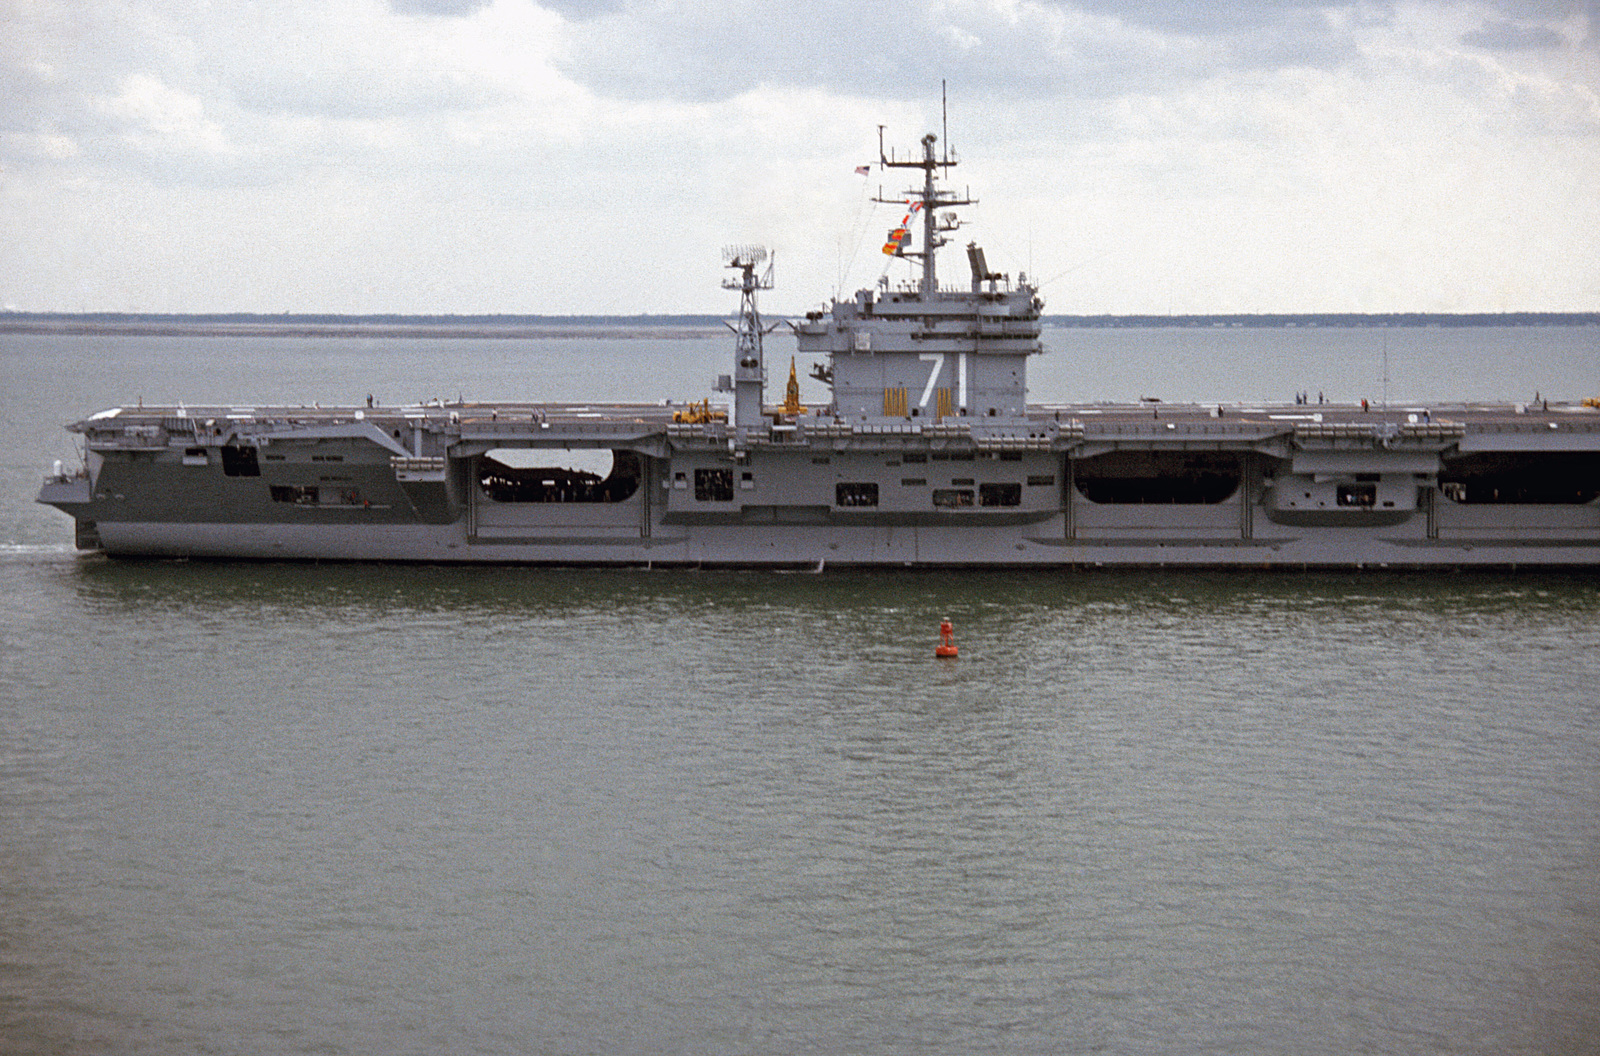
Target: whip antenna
{"type": "Point", "coordinates": [944, 119]}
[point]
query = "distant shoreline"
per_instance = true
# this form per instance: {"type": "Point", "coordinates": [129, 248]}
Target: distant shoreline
{"type": "Point", "coordinates": [613, 327]}
{"type": "Point", "coordinates": [364, 326]}
{"type": "Point", "coordinates": [1336, 319]}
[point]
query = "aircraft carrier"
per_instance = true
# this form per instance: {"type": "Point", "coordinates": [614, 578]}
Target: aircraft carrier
{"type": "Point", "coordinates": [927, 454]}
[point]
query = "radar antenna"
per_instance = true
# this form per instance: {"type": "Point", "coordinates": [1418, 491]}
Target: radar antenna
{"type": "Point", "coordinates": [749, 373]}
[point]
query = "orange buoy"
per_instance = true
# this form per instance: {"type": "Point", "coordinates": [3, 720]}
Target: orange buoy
{"type": "Point", "coordinates": [947, 639]}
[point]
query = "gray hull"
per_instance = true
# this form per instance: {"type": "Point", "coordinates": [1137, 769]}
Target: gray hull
{"type": "Point", "coordinates": [1254, 489]}
{"type": "Point", "coordinates": [927, 454]}
{"type": "Point", "coordinates": [815, 548]}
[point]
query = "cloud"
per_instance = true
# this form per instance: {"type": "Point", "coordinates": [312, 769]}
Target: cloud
{"type": "Point", "coordinates": [345, 59]}
{"type": "Point", "coordinates": [156, 118]}
{"type": "Point", "coordinates": [720, 48]}
{"type": "Point", "coordinates": [1533, 25]}
{"type": "Point", "coordinates": [587, 155]}
{"type": "Point", "coordinates": [181, 92]}
{"type": "Point", "coordinates": [581, 10]}
{"type": "Point", "coordinates": [438, 7]}
{"type": "Point", "coordinates": [1501, 35]}
{"type": "Point", "coordinates": [1186, 18]}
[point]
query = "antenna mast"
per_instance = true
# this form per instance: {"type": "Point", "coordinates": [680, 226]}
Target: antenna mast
{"type": "Point", "coordinates": [930, 199]}
{"type": "Point", "coordinates": [749, 369]}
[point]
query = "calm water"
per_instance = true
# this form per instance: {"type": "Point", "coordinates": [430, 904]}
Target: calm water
{"type": "Point", "coordinates": [266, 809]}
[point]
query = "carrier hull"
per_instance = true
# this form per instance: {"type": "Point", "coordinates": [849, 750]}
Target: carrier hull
{"type": "Point", "coordinates": [927, 454]}
{"type": "Point", "coordinates": [814, 550]}
{"type": "Point", "coordinates": [1135, 486]}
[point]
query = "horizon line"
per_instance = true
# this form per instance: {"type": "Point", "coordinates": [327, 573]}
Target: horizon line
{"type": "Point", "coordinates": [695, 318]}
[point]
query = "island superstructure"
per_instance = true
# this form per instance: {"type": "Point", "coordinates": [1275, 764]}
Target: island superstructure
{"type": "Point", "coordinates": [926, 454]}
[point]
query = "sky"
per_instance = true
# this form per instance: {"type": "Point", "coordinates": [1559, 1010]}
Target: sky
{"type": "Point", "coordinates": [596, 156]}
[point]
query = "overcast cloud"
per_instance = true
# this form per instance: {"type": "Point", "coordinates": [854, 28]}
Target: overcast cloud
{"type": "Point", "coordinates": [595, 155]}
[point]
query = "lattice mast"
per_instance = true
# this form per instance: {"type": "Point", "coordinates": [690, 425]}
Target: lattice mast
{"type": "Point", "coordinates": [749, 368]}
